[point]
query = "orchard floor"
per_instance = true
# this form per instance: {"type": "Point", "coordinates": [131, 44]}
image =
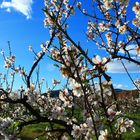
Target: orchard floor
{"type": "Point", "coordinates": [32, 131]}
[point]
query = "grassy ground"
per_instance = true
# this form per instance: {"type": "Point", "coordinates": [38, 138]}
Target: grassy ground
{"type": "Point", "coordinates": [32, 131]}
{"type": "Point", "coordinates": [136, 135]}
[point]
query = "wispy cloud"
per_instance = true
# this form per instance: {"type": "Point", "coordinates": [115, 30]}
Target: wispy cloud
{"type": "Point", "coordinates": [120, 86]}
{"type": "Point", "coordinates": [22, 6]}
{"type": "Point", "coordinates": [117, 67]}
{"type": "Point", "coordinates": [131, 49]}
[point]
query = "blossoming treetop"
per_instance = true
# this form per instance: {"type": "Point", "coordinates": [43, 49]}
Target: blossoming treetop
{"type": "Point", "coordinates": [102, 114]}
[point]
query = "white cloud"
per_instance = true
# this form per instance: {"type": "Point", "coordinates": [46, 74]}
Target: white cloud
{"type": "Point", "coordinates": [119, 86]}
{"type": "Point", "coordinates": [131, 49]}
{"type": "Point", "coordinates": [22, 6]}
{"type": "Point", "coordinates": [117, 67]}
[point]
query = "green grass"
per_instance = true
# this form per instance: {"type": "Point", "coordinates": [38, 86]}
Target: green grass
{"type": "Point", "coordinates": [136, 135]}
{"type": "Point", "coordinates": [32, 131]}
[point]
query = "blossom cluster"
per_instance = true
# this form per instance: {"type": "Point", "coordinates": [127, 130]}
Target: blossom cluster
{"type": "Point", "coordinates": [136, 9]}
{"type": "Point", "coordinates": [57, 11]}
{"type": "Point", "coordinates": [9, 62]}
{"type": "Point", "coordinates": [5, 123]}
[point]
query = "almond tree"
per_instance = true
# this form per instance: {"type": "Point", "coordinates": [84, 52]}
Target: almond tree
{"type": "Point", "coordinates": [101, 114]}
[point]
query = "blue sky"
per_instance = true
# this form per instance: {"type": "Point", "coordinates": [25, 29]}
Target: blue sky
{"type": "Point", "coordinates": [21, 23]}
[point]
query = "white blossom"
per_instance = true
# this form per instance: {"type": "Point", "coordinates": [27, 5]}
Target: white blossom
{"type": "Point", "coordinates": [103, 135]}
{"type": "Point", "coordinates": [136, 8]}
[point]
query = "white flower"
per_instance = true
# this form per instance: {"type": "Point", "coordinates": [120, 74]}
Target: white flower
{"type": "Point", "coordinates": [9, 61]}
{"type": "Point", "coordinates": [30, 48]}
{"type": "Point", "coordinates": [64, 138]}
{"type": "Point", "coordinates": [6, 122]}
{"type": "Point", "coordinates": [39, 54]}
{"type": "Point", "coordinates": [124, 124]}
{"type": "Point", "coordinates": [57, 111]}
{"type": "Point", "coordinates": [108, 36]}
{"type": "Point", "coordinates": [123, 29]}
{"type": "Point", "coordinates": [79, 4]}
{"type": "Point", "coordinates": [77, 89]}
{"type": "Point", "coordinates": [55, 54]}
{"type": "Point", "coordinates": [89, 122]}
{"type": "Point", "coordinates": [120, 44]}
{"type": "Point", "coordinates": [103, 26]}
{"type": "Point", "coordinates": [112, 113]}
{"type": "Point", "coordinates": [103, 135]}
{"type": "Point", "coordinates": [136, 8]}
{"type": "Point", "coordinates": [76, 132]}
{"type": "Point", "coordinates": [97, 60]}
{"type": "Point", "coordinates": [32, 88]}
{"type": "Point", "coordinates": [84, 128]}
{"type": "Point", "coordinates": [14, 96]}
{"type": "Point", "coordinates": [84, 11]}
{"type": "Point", "coordinates": [136, 21]}
{"type": "Point", "coordinates": [64, 71]}
{"type": "Point", "coordinates": [107, 5]}
{"type": "Point", "coordinates": [22, 72]}
{"type": "Point", "coordinates": [117, 24]}
{"type": "Point", "coordinates": [66, 98]}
